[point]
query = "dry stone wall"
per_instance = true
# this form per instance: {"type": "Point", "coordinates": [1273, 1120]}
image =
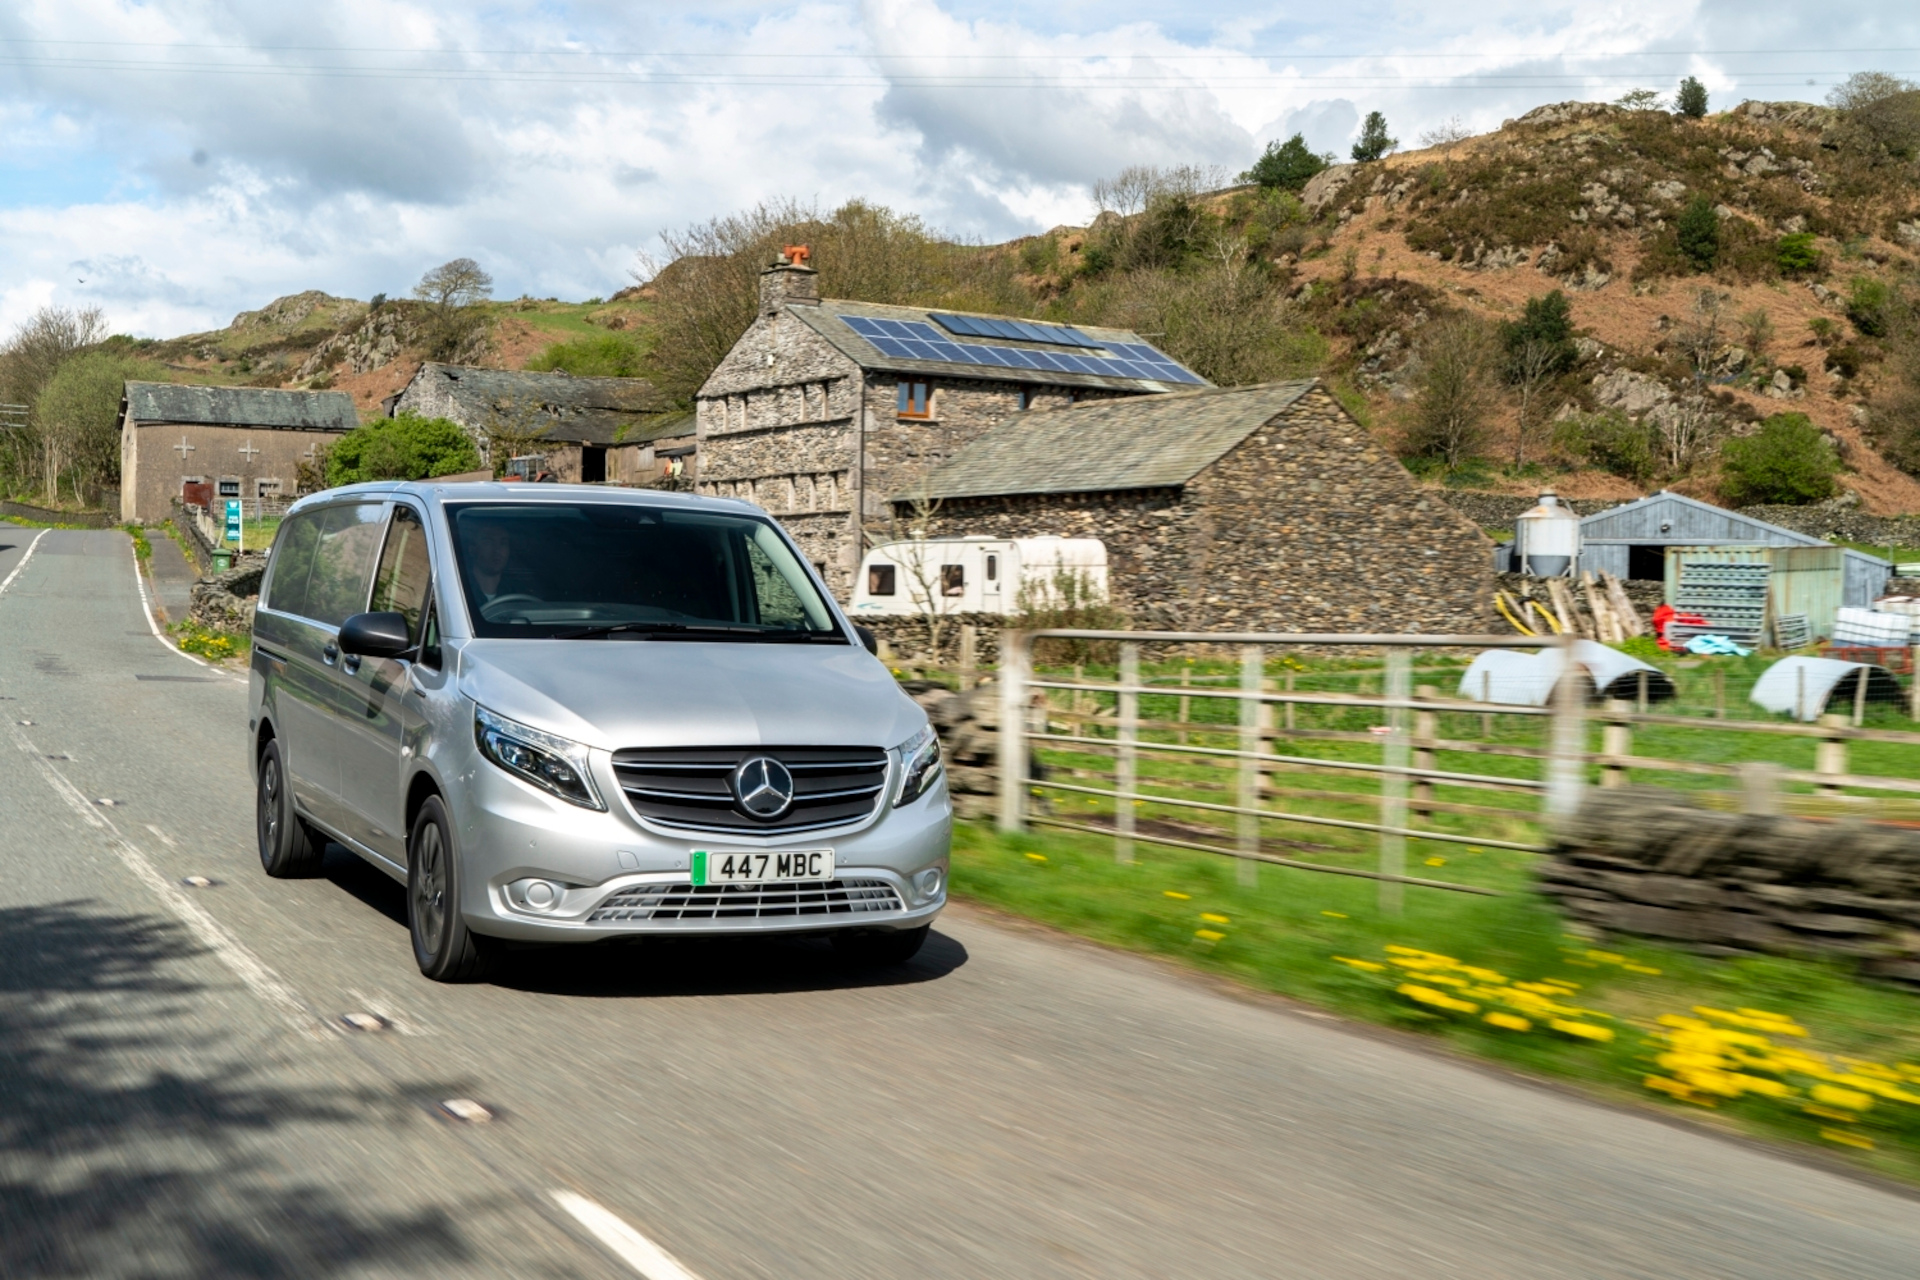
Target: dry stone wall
{"type": "Point", "coordinates": [1648, 862]}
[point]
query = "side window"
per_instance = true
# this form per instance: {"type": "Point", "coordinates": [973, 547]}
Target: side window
{"type": "Point", "coordinates": [953, 580]}
{"type": "Point", "coordinates": [343, 562]}
{"type": "Point", "coordinates": [292, 562]}
{"type": "Point", "coordinates": [880, 579]}
{"type": "Point", "coordinates": [400, 583]}
{"type": "Point", "coordinates": [430, 636]}
{"type": "Point", "coordinates": [779, 604]}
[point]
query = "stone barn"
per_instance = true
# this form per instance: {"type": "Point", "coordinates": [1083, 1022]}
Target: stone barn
{"type": "Point", "coordinates": [205, 444]}
{"type": "Point", "coordinates": [824, 409]}
{"type": "Point", "coordinates": [581, 430]}
{"type": "Point", "coordinates": [1265, 508]}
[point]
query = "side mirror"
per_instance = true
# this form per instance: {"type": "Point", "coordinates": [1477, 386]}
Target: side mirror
{"type": "Point", "coordinates": [868, 639]}
{"type": "Point", "coordinates": [375, 635]}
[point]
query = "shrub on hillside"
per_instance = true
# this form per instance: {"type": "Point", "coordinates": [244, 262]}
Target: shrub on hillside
{"type": "Point", "coordinates": [1286, 166]}
{"type": "Point", "coordinates": [1788, 462]}
{"type": "Point", "coordinates": [1612, 442]}
{"type": "Point", "coordinates": [1691, 100]}
{"type": "Point", "coordinates": [1797, 253]}
{"type": "Point", "coordinates": [1447, 421]}
{"type": "Point", "coordinates": [1698, 233]}
{"type": "Point", "coordinates": [407, 447]}
{"type": "Point", "coordinates": [1869, 306]}
{"type": "Point", "coordinates": [1374, 140]}
{"type": "Point", "coordinates": [1543, 332]}
{"type": "Point", "coordinates": [599, 355]}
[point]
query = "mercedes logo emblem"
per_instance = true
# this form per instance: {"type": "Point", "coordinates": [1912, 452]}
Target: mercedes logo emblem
{"type": "Point", "coordinates": [764, 787]}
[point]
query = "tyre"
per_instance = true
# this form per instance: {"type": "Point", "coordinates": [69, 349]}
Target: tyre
{"type": "Point", "coordinates": [289, 849]}
{"type": "Point", "coordinates": [896, 946]}
{"type": "Point", "coordinates": [444, 948]}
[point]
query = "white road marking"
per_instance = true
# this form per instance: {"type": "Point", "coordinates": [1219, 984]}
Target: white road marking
{"type": "Point", "coordinates": [632, 1248]}
{"type": "Point", "coordinates": [140, 585]}
{"type": "Point", "coordinates": [28, 556]}
{"type": "Point", "coordinates": [212, 935]}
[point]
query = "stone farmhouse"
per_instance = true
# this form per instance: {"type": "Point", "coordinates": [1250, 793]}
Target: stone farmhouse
{"type": "Point", "coordinates": [1265, 508]}
{"type": "Point", "coordinates": [204, 444]}
{"type": "Point", "coordinates": [825, 410]}
{"type": "Point", "coordinates": [591, 430]}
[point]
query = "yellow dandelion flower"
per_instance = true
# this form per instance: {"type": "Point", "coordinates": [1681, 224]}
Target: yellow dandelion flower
{"type": "Point", "coordinates": [1436, 862]}
{"type": "Point", "coordinates": [1846, 1139]}
{"type": "Point", "coordinates": [1581, 1030]}
{"type": "Point", "coordinates": [1471, 849]}
{"type": "Point", "coordinates": [1827, 1113]}
{"type": "Point", "coordinates": [1036, 857]}
{"type": "Point", "coordinates": [1368, 966]}
{"type": "Point", "coordinates": [1337, 915]}
{"type": "Point", "coordinates": [1661, 1084]}
{"type": "Point", "coordinates": [1211, 918]}
{"type": "Point", "coordinates": [1640, 968]}
{"type": "Point", "coordinates": [1608, 956]}
{"type": "Point", "coordinates": [1209, 935]}
{"type": "Point", "coordinates": [1176, 894]}
{"type": "Point", "coordinates": [1508, 1021]}
{"type": "Point", "coordinates": [1438, 999]}
{"type": "Point", "coordinates": [1762, 1086]}
{"type": "Point", "coordinates": [1834, 1096]}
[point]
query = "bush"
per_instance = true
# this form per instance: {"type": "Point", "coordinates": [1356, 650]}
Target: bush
{"type": "Point", "coordinates": [1869, 303]}
{"type": "Point", "coordinates": [1286, 166]}
{"type": "Point", "coordinates": [1691, 100]}
{"type": "Point", "coordinates": [1613, 442]}
{"type": "Point", "coordinates": [1374, 140]}
{"type": "Point", "coordinates": [1698, 230]}
{"type": "Point", "coordinates": [1546, 323]}
{"type": "Point", "coordinates": [600, 355]}
{"type": "Point", "coordinates": [407, 447]}
{"type": "Point", "coordinates": [1797, 253]}
{"type": "Point", "coordinates": [1787, 462]}
{"type": "Point", "coordinates": [1448, 417]}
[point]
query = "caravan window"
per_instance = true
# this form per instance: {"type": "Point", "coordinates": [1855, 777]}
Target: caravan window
{"type": "Point", "coordinates": [953, 580]}
{"type": "Point", "coordinates": [879, 579]}
{"type": "Point", "coordinates": [993, 568]}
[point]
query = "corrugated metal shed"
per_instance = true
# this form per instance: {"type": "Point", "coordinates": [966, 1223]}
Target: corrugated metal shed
{"type": "Point", "coordinates": [1152, 442]}
{"type": "Point", "coordinates": [150, 402]}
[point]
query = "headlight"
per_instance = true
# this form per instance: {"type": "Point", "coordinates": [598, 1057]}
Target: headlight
{"type": "Point", "coordinates": [919, 765]}
{"type": "Point", "coordinates": [551, 763]}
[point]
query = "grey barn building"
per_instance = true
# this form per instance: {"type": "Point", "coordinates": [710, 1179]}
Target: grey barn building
{"type": "Point", "coordinates": [1631, 541]}
{"type": "Point", "coordinates": [595, 430]}
{"type": "Point", "coordinates": [203, 444]}
{"type": "Point", "coordinates": [824, 410]}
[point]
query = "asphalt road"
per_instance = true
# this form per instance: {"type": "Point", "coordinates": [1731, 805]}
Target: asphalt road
{"type": "Point", "coordinates": [179, 1098]}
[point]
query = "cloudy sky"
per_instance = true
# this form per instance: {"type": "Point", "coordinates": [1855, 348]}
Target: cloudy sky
{"type": "Point", "coordinates": [175, 161]}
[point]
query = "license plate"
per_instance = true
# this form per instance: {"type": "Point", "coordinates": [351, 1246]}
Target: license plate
{"type": "Point", "coordinates": [768, 866]}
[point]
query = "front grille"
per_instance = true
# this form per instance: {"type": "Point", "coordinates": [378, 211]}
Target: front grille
{"type": "Point", "coordinates": [746, 901]}
{"type": "Point", "coordinates": [691, 787]}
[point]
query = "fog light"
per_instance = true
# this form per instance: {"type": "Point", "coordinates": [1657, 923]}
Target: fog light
{"type": "Point", "coordinates": [535, 895]}
{"type": "Point", "coordinates": [928, 882]}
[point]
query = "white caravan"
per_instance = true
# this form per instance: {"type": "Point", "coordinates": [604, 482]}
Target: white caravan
{"type": "Point", "coordinates": [973, 575]}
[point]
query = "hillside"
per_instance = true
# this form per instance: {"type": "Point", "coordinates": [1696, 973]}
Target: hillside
{"type": "Point", "coordinates": [1816, 237]}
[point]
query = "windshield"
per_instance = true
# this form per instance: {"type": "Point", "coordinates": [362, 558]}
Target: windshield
{"type": "Point", "coordinates": [601, 569]}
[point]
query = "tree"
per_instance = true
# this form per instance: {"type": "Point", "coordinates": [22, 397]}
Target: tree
{"type": "Point", "coordinates": [1864, 88]}
{"type": "Point", "coordinates": [78, 417]}
{"type": "Point", "coordinates": [1286, 166]}
{"type": "Point", "coordinates": [1546, 321]}
{"type": "Point", "coordinates": [404, 447]}
{"type": "Point", "coordinates": [1881, 114]}
{"type": "Point", "coordinates": [1698, 229]}
{"type": "Point", "coordinates": [1788, 462]}
{"type": "Point", "coordinates": [453, 292]}
{"type": "Point", "coordinates": [1449, 411]}
{"type": "Point", "coordinates": [1639, 100]}
{"type": "Point", "coordinates": [1374, 140]}
{"type": "Point", "coordinates": [1449, 131]}
{"type": "Point", "coordinates": [1691, 100]}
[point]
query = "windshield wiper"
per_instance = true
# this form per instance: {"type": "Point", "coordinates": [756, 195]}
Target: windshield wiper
{"type": "Point", "coordinates": [690, 628]}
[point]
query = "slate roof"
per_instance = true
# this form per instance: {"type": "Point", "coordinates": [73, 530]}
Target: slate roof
{"type": "Point", "coordinates": [259, 407]}
{"type": "Point", "coordinates": [1688, 520]}
{"type": "Point", "coordinates": [1146, 442]}
{"type": "Point", "coordinates": [596, 411]}
{"type": "Point", "coordinates": [826, 318]}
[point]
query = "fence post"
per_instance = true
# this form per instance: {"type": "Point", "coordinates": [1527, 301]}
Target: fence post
{"type": "Point", "coordinates": [1760, 788]}
{"type": "Point", "coordinates": [1186, 703]}
{"type": "Point", "coordinates": [1913, 685]}
{"type": "Point", "coordinates": [1124, 770]}
{"type": "Point", "coordinates": [1287, 715]}
{"type": "Point", "coordinates": [1616, 740]}
{"type": "Point", "coordinates": [1566, 763]}
{"type": "Point", "coordinates": [1015, 670]}
{"type": "Point", "coordinates": [1393, 785]}
{"type": "Point", "coordinates": [969, 640]}
{"type": "Point", "coordinates": [1860, 696]}
{"type": "Point", "coordinates": [1426, 731]}
{"type": "Point", "coordinates": [1830, 756]}
{"type": "Point", "coordinates": [1251, 664]}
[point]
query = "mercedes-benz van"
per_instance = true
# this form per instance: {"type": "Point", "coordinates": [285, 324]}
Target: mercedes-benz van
{"type": "Point", "coordinates": [561, 713]}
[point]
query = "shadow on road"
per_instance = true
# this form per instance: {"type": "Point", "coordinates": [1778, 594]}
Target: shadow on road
{"type": "Point", "coordinates": [125, 1135]}
{"type": "Point", "coordinates": [355, 875]}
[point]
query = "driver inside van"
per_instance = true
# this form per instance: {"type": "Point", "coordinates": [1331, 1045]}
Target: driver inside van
{"type": "Point", "coordinates": [489, 547]}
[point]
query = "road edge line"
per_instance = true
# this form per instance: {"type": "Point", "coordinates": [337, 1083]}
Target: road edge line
{"type": "Point", "coordinates": [625, 1243]}
{"type": "Point", "coordinates": [146, 607]}
{"type": "Point", "coordinates": [23, 559]}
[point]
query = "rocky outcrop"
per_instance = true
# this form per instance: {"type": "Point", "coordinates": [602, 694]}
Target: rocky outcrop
{"type": "Point", "coordinates": [372, 344]}
{"type": "Point", "coordinates": [1649, 862]}
{"type": "Point", "coordinates": [290, 312]}
{"type": "Point", "coordinates": [1324, 187]}
{"type": "Point", "coordinates": [1567, 113]}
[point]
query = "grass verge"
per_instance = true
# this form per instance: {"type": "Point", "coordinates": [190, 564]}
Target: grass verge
{"type": "Point", "coordinates": [208, 642]}
{"type": "Point", "coordinates": [1790, 1049]}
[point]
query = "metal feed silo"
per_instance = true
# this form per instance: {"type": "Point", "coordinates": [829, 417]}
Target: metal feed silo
{"type": "Point", "coordinates": [1546, 539]}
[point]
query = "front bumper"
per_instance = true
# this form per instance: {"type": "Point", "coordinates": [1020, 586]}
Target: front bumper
{"type": "Point", "coordinates": [621, 878]}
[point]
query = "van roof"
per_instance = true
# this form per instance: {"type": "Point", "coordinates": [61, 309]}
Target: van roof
{"type": "Point", "coordinates": [520, 491]}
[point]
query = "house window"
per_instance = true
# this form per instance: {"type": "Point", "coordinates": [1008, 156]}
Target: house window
{"type": "Point", "coordinates": [916, 399]}
{"type": "Point", "coordinates": [1027, 396]}
{"type": "Point", "coordinates": [953, 580]}
{"type": "Point", "coordinates": [266, 488]}
{"type": "Point", "coordinates": [993, 568]}
{"type": "Point", "coordinates": [879, 579]}
{"type": "Point", "coordinates": [229, 486]}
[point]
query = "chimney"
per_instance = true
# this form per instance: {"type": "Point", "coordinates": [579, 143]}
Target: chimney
{"type": "Point", "coordinates": [789, 282]}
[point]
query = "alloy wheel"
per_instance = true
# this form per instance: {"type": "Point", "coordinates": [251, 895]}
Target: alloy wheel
{"type": "Point", "coordinates": [430, 886]}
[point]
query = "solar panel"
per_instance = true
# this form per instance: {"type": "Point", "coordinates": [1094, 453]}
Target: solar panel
{"type": "Point", "coordinates": [917, 340]}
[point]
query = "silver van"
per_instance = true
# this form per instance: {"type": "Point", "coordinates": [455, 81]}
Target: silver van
{"type": "Point", "coordinates": [562, 713]}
